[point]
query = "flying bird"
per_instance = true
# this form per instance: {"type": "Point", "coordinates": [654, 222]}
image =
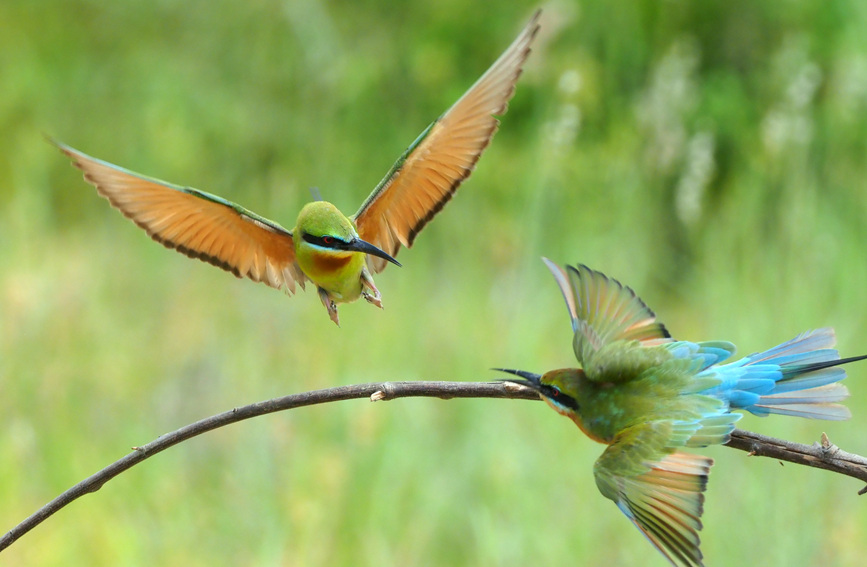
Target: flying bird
{"type": "Point", "coordinates": [338, 253]}
{"type": "Point", "coordinates": [647, 397]}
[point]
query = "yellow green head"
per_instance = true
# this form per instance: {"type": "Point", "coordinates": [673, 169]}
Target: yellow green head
{"type": "Point", "coordinates": [560, 388]}
{"type": "Point", "coordinates": [321, 218]}
{"type": "Point", "coordinates": [565, 390]}
{"type": "Point", "coordinates": [322, 226]}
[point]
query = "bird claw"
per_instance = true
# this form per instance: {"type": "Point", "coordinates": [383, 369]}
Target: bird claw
{"type": "Point", "coordinates": [374, 299]}
{"type": "Point", "coordinates": [332, 312]}
{"type": "Point", "coordinates": [330, 306]}
{"type": "Point", "coordinates": [367, 280]}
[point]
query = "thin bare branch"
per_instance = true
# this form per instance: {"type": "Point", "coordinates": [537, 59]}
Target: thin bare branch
{"type": "Point", "coordinates": [823, 455]}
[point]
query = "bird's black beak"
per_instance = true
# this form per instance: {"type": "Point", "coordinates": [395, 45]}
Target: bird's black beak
{"type": "Point", "coordinates": [529, 379]}
{"type": "Point", "coordinates": [359, 245]}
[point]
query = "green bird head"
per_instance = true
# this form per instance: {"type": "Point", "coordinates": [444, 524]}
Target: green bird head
{"type": "Point", "coordinates": [322, 226]}
{"type": "Point", "coordinates": [561, 389]}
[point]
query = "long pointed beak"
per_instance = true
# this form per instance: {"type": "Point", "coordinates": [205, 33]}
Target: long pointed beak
{"type": "Point", "coordinates": [359, 245]}
{"type": "Point", "coordinates": [529, 379]}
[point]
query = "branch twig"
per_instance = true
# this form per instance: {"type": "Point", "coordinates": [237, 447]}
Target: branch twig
{"type": "Point", "coordinates": [822, 455]}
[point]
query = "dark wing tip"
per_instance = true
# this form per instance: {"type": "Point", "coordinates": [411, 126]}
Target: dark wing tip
{"type": "Point", "coordinates": [448, 194]}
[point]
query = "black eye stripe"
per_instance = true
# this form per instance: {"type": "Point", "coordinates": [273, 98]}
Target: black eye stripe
{"type": "Point", "coordinates": [326, 241]}
{"type": "Point", "coordinates": [558, 396]}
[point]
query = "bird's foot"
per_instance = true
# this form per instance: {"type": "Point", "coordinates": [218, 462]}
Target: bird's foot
{"type": "Point", "coordinates": [329, 305]}
{"type": "Point", "coordinates": [375, 299]}
{"type": "Point", "coordinates": [367, 280]}
{"type": "Point", "coordinates": [332, 312]}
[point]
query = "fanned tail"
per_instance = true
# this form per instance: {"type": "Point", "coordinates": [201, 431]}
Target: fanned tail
{"type": "Point", "coordinates": [799, 377]}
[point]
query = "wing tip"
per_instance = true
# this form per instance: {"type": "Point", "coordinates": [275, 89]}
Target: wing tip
{"type": "Point", "coordinates": [70, 152]}
{"type": "Point", "coordinates": [506, 70]}
{"type": "Point", "coordinates": [520, 50]}
{"type": "Point", "coordinates": [651, 315]}
{"type": "Point", "coordinates": [671, 542]}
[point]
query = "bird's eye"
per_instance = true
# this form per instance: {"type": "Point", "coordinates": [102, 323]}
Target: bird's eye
{"type": "Point", "coordinates": [565, 400]}
{"type": "Point", "coordinates": [328, 240]}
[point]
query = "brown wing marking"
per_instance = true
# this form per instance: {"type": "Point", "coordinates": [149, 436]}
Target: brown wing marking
{"type": "Point", "coordinates": [197, 224]}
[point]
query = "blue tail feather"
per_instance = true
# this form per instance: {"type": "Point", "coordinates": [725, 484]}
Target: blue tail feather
{"type": "Point", "coordinates": [799, 377]}
{"type": "Point", "coordinates": [808, 342]}
{"type": "Point", "coordinates": [812, 379]}
{"type": "Point", "coordinates": [705, 353]}
{"type": "Point", "coordinates": [805, 357]}
{"type": "Point", "coordinates": [821, 394]}
{"type": "Point", "coordinates": [739, 399]}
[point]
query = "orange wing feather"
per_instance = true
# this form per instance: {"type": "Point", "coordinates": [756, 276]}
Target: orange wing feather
{"type": "Point", "coordinates": [427, 175]}
{"type": "Point", "coordinates": [197, 224]}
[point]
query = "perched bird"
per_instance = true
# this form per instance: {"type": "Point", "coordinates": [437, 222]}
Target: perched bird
{"type": "Point", "coordinates": [337, 253]}
{"type": "Point", "coordinates": [648, 396]}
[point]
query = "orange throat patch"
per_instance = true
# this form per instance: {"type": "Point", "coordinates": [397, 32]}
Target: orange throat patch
{"type": "Point", "coordinates": [330, 263]}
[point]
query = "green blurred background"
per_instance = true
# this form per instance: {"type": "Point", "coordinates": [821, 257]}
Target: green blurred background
{"type": "Point", "coordinates": [712, 155]}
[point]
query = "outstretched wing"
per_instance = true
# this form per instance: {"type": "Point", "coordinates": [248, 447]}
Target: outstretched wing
{"type": "Point", "coordinates": [197, 224]}
{"type": "Point", "coordinates": [429, 172]}
{"type": "Point", "coordinates": [660, 490]}
{"type": "Point", "coordinates": [604, 311]}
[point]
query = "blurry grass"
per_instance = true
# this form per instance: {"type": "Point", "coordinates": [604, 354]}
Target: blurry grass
{"type": "Point", "coordinates": [710, 155]}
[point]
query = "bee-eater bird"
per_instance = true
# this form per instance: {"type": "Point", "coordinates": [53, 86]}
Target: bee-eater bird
{"type": "Point", "coordinates": [337, 253]}
{"type": "Point", "coordinates": [648, 396]}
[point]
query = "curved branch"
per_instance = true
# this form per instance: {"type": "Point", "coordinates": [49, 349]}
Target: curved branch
{"type": "Point", "coordinates": [825, 455]}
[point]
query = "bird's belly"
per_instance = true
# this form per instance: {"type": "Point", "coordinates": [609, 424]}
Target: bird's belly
{"type": "Point", "coordinates": [614, 410]}
{"type": "Point", "coordinates": [338, 274]}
